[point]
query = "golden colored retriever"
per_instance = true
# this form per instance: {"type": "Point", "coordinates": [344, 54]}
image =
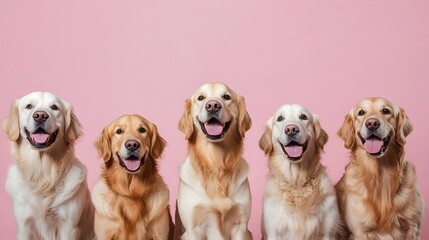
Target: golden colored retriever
{"type": "Point", "coordinates": [131, 198]}
{"type": "Point", "coordinates": [214, 199]}
{"type": "Point", "coordinates": [378, 194]}
{"type": "Point", "coordinates": [48, 183]}
{"type": "Point", "coordinates": [299, 199]}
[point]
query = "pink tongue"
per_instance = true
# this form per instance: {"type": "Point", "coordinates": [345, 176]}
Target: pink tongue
{"type": "Point", "coordinates": [373, 145]}
{"type": "Point", "coordinates": [132, 165]}
{"type": "Point", "coordinates": [294, 151]}
{"type": "Point", "coordinates": [40, 138]}
{"type": "Point", "coordinates": [214, 129]}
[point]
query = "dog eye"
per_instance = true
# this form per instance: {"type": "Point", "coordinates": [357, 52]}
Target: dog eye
{"type": "Point", "coordinates": [226, 96]}
{"type": "Point", "coordinates": [54, 107]}
{"type": "Point", "coordinates": [361, 112]}
{"type": "Point", "coordinates": [386, 111]}
{"type": "Point", "coordinates": [29, 106]}
{"type": "Point", "coordinates": [280, 118]}
{"type": "Point", "coordinates": [119, 131]}
{"type": "Point", "coordinates": [201, 98]}
{"type": "Point", "coordinates": [142, 130]}
{"type": "Point", "coordinates": [303, 117]}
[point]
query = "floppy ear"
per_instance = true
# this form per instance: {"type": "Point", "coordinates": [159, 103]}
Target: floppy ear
{"type": "Point", "coordinates": [265, 142]}
{"type": "Point", "coordinates": [321, 135]}
{"type": "Point", "coordinates": [186, 124]}
{"type": "Point", "coordinates": [347, 131]}
{"type": "Point", "coordinates": [103, 145]}
{"type": "Point", "coordinates": [73, 129]}
{"type": "Point", "coordinates": [244, 120]}
{"type": "Point", "coordinates": [11, 123]}
{"type": "Point", "coordinates": [157, 143]}
{"type": "Point", "coordinates": [404, 128]}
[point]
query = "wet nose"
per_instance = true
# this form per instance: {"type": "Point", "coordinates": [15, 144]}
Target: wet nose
{"type": "Point", "coordinates": [40, 116]}
{"type": "Point", "coordinates": [213, 106]}
{"type": "Point", "coordinates": [132, 145]}
{"type": "Point", "coordinates": [372, 124]}
{"type": "Point", "coordinates": [291, 129]}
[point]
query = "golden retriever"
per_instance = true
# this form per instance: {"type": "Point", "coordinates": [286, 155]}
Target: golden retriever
{"type": "Point", "coordinates": [214, 199]}
{"type": "Point", "coordinates": [48, 183]}
{"type": "Point", "coordinates": [130, 197]}
{"type": "Point", "coordinates": [378, 194]}
{"type": "Point", "coordinates": [299, 200]}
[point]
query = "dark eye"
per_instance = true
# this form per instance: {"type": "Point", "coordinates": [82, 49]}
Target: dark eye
{"type": "Point", "coordinates": [201, 98]}
{"type": "Point", "coordinates": [142, 130]}
{"type": "Point", "coordinates": [119, 131]}
{"type": "Point", "coordinates": [361, 113]}
{"type": "Point", "coordinates": [303, 117]}
{"type": "Point", "coordinates": [54, 107]}
{"type": "Point", "coordinates": [29, 106]}
{"type": "Point", "coordinates": [226, 96]}
{"type": "Point", "coordinates": [280, 118]}
{"type": "Point", "coordinates": [386, 111]}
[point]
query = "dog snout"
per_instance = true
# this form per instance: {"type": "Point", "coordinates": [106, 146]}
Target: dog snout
{"type": "Point", "coordinates": [132, 145]}
{"type": "Point", "coordinates": [40, 116]}
{"type": "Point", "coordinates": [213, 106]}
{"type": "Point", "coordinates": [291, 130]}
{"type": "Point", "coordinates": [372, 124]}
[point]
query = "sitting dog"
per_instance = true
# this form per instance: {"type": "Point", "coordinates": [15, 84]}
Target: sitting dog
{"type": "Point", "coordinates": [48, 183]}
{"type": "Point", "coordinates": [299, 199]}
{"type": "Point", "coordinates": [131, 198]}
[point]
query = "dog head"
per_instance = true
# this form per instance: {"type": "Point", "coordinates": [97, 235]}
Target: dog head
{"type": "Point", "coordinates": [215, 111]}
{"type": "Point", "coordinates": [130, 141]}
{"type": "Point", "coordinates": [293, 131]}
{"type": "Point", "coordinates": [43, 120]}
{"type": "Point", "coordinates": [375, 124]}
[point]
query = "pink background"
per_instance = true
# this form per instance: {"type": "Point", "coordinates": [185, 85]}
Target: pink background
{"type": "Point", "coordinates": [113, 57]}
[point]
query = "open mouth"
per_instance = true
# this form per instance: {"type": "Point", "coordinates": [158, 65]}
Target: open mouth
{"type": "Point", "coordinates": [40, 138]}
{"type": "Point", "coordinates": [213, 129]}
{"type": "Point", "coordinates": [294, 150]}
{"type": "Point", "coordinates": [375, 146]}
{"type": "Point", "coordinates": [132, 164]}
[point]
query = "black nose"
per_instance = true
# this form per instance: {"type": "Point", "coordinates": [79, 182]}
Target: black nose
{"type": "Point", "coordinates": [132, 145]}
{"type": "Point", "coordinates": [213, 106]}
{"type": "Point", "coordinates": [291, 129]}
{"type": "Point", "coordinates": [40, 116]}
{"type": "Point", "coordinates": [372, 124]}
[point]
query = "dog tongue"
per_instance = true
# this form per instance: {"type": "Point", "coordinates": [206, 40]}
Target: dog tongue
{"type": "Point", "coordinates": [373, 145]}
{"type": "Point", "coordinates": [40, 138]}
{"type": "Point", "coordinates": [294, 151]}
{"type": "Point", "coordinates": [132, 165]}
{"type": "Point", "coordinates": [214, 129]}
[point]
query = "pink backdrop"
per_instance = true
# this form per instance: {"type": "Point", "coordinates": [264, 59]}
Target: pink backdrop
{"type": "Point", "coordinates": [113, 57]}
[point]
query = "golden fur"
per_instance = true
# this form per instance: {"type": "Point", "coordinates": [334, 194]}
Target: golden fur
{"type": "Point", "coordinates": [299, 199]}
{"type": "Point", "coordinates": [378, 194]}
{"type": "Point", "coordinates": [131, 205]}
{"type": "Point", "coordinates": [214, 169]}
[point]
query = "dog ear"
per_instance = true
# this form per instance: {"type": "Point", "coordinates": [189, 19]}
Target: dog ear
{"type": "Point", "coordinates": [265, 142]}
{"type": "Point", "coordinates": [157, 143]}
{"type": "Point", "coordinates": [103, 145]}
{"type": "Point", "coordinates": [11, 123]}
{"type": "Point", "coordinates": [244, 120]}
{"type": "Point", "coordinates": [321, 135]}
{"type": "Point", "coordinates": [347, 131]}
{"type": "Point", "coordinates": [73, 129]}
{"type": "Point", "coordinates": [186, 124]}
{"type": "Point", "coordinates": [404, 128]}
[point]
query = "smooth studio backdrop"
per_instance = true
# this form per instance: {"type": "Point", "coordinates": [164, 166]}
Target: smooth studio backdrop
{"type": "Point", "coordinates": [109, 58]}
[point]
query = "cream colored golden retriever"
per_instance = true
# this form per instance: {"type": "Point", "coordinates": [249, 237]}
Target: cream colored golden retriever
{"type": "Point", "coordinates": [214, 199]}
{"type": "Point", "coordinates": [48, 183]}
{"type": "Point", "coordinates": [131, 198]}
{"type": "Point", "coordinates": [299, 199]}
{"type": "Point", "coordinates": [378, 194]}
